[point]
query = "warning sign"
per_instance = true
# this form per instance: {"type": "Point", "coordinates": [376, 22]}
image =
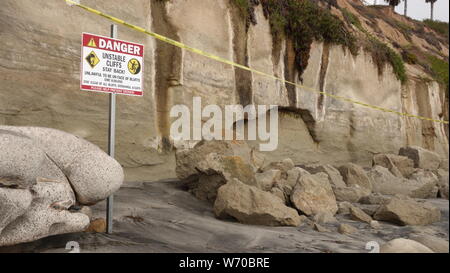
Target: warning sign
{"type": "Point", "coordinates": [111, 65]}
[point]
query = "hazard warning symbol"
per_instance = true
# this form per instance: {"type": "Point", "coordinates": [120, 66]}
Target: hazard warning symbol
{"type": "Point", "coordinates": [92, 59]}
{"type": "Point", "coordinates": [111, 65]}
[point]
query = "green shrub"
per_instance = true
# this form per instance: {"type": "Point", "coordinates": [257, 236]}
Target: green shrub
{"type": "Point", "coordinates": [382, 54]}
{"type": "Point", "coordinates": [409, 57]}
{"type": "Point", "coordinates": [438, 26]}
{"type": "Point", "coordinates": [352, 19]}
{"type": "Point", "coordinates": [439, 69]}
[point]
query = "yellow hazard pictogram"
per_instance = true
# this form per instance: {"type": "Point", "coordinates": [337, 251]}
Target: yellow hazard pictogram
{"type": "Point", "coordinates": [92, 59]}
{"type": "Point", "coordinates": [134, 66]}
{"type": "Point", "coordinates": [92, 43]}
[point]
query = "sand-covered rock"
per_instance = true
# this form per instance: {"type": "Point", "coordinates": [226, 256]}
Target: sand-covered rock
{"type": "Point", "coordinates": [406, 211]}
{"type": "Point", "coordinates": [250, 205]}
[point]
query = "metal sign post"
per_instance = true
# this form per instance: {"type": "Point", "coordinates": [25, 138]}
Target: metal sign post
{"type": "Point", "coordinates": [111, 143]}
{"type": "Point", "coordinates": [110, 66]}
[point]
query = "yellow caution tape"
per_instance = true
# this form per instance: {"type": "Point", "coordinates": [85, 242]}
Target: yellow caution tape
{"type": "Point", "coordinates": [225, 61]}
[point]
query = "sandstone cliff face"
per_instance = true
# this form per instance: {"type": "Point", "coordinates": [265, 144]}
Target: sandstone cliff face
{"type": "Point", "coordinates": [39, 72]}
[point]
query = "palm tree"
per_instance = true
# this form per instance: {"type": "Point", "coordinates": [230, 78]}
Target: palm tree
{"type": "Point", "coordinates": [406, 7]}
{"type": "Point", "coordinates": [392, 3]}
{"type": "Point", "coordinates": [432, 8]}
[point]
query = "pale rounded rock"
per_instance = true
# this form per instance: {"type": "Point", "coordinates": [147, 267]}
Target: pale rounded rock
{"type": "Point", "coordinates": [404, 246]}
{"type": "Point", "coordinates": [94, 176]}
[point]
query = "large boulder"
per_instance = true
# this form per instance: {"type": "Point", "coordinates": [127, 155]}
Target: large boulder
{"type": "Point", "coordinates": [51, 174]}
{"type": "Point", "coordinates": [400, 166]}
{"type": "Point", "coordinates": [187, 161]}
{"type": "Point", "coordinates": [384, 182]}
{"type": "Point", "coordinates": [313, 194]}
{"type": "Point", "coordinates": [250, 205]}
{"type": "Point", "coordinates": [406, 211]}
{"type": "Point", "coordinates": [423, 158]}
{"type": "Point", "coordinates": [91, 172]}
{"type": "Point", "coordinates": [355, 175]}
{"type": "Point", "coordinates": [211, 164]}
{"type": "Point", "coordinates": [402, 245]}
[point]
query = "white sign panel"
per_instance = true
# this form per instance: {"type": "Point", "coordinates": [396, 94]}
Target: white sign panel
{"type": "Point", "coordinates": [111, 65]}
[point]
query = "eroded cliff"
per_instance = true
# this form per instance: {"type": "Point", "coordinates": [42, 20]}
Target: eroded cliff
{"type": "Point", "coordinates": [40, 55]}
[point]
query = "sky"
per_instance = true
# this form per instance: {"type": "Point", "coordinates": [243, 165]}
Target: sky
{"type": "Point", "coordinates": [419, 9]}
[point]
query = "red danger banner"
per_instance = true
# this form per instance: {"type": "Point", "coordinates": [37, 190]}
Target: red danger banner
{"type": "Point", "coordinates": [111, 65]}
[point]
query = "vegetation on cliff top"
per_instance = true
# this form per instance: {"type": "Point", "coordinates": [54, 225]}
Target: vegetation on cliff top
{"type": "Point", "coordinates": [438, 26]}
{"type": "Point", "coordinates": [381, 52]}
{"type": "Point", "coordinates": [303, 22]}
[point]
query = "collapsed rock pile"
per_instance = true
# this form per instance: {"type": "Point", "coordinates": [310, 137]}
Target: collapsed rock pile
{"type": "Point", "coordinates": [47, 180]}
{"type": "Point", "coordinates": [240, 184]}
